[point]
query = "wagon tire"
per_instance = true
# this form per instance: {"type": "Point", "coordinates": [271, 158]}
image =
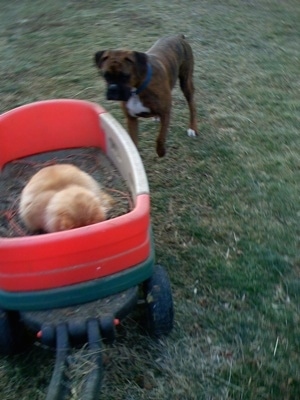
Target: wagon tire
{"type": "Point", "coordinates": [12, 333]}
{"type": "Point", "coordinates": [159, 303]}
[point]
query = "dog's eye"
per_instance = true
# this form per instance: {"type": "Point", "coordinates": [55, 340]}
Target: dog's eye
{"type": "Point", "coordinates": [129, 59]}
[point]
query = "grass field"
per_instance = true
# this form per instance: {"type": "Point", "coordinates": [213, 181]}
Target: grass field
{"type": "Point", "coordinates": [225, 206]}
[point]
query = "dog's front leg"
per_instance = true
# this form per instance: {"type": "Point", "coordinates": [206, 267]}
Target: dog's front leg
{"type": "Point", "coordinates": [132, 125]}
{"type": "Point", "coordinates": [161, 138]}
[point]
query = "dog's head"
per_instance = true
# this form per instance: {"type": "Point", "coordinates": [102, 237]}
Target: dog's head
{"type": "Point", "coordinates": [122, 70]}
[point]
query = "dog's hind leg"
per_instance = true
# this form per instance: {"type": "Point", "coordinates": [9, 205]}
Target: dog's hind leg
{"type": "Point", "coordinates": [187, 87]}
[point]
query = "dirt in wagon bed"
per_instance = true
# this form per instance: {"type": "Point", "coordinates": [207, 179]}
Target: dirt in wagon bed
{"type": "Point", "coordinates": [117, 304]}
{"type": "Point", "coordinates": [17, 173]}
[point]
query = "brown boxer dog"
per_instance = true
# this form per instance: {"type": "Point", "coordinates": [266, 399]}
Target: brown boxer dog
{"type": "Point", "coordinates": [143, 82]}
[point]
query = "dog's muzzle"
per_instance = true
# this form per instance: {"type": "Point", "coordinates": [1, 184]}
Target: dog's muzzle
{"type": "Point", "coordinates": [118, 92]}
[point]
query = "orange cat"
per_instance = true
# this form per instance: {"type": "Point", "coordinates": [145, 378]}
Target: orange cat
{"type": "Point", "coordinates": [62, 197]}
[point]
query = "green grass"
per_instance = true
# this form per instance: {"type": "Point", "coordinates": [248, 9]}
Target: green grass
{"type": "Point", "coordinates": [225, 206]}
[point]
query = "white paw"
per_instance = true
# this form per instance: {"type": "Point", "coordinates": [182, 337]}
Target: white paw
{"type": "Point", "coordinates": [156, 119]}
{"type": "Point", "coordinates": [191, 133]}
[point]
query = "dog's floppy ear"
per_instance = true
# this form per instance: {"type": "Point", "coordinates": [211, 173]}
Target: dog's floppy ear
{"type": "Point", "coordinates": [141, 62]}
{"type": "Point", "coordinates": [99, 57]}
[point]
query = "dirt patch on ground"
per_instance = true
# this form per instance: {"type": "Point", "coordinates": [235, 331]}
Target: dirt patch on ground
{"type": "Point", "coordinates": [16, 174]}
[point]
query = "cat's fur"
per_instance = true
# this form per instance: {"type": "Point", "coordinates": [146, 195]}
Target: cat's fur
{"type": "Point", "coordinates": [62, 197]}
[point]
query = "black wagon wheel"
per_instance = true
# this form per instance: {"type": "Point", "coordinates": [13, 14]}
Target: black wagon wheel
{"type": "Point", "coordinates": [12, 333]}
{"type": "Point", "coordinates": [159, 303]}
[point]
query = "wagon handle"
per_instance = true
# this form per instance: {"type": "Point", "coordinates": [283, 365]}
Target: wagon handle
{"type": "Point", "coordinates": [58, 387]}
{"type": "Point", "coordinates": [94, 378]}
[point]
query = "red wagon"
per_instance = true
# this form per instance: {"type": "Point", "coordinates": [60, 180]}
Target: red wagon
{"type": "Point", "coordinates": [47, 273]}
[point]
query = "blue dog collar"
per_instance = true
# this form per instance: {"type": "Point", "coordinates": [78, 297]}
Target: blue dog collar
{"type": "Point", "coordinates": [146, 81]}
